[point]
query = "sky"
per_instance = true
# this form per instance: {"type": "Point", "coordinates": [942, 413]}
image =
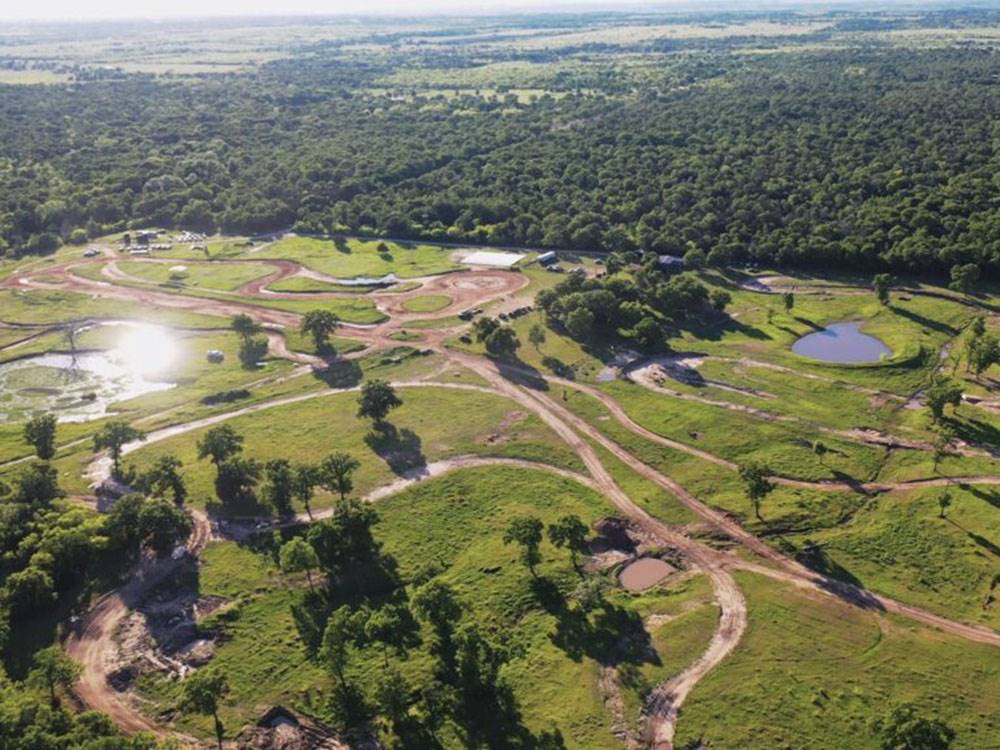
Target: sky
{"type": "Point", "coordinates": [20, 10]}
{"type": "Point", "coordinates": [94, 9]}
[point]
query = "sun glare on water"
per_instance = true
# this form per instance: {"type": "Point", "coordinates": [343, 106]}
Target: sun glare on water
{"type": "Point", "coordinates": [146, 350]}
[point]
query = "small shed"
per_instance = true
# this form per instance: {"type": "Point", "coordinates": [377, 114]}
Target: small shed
{"type": "Point", "coordinates": [546, 258]}
{"type": "Point", "coordinates": [670, 262]}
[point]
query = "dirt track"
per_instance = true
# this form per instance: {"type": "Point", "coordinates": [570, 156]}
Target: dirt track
{"type": "Point", "coordinates": [92, 642]}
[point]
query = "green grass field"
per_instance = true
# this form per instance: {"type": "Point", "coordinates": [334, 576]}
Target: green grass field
{"type": "Point", "coordinates": [458, 522]}
{"type": "Point", "coordinates": [309, 430]}
{"type": "Point", "coordinates": [356, 258]}
{"type": "Point", "coordinates": [813, 672]}
{"type": "Point", "coordinates": [226, 277]}
{"type": "Point", "coordinates": [358, 310]}
{"type": "Point", "coordinates": [306, 285]}
{"type": "Point", "coordinates": [427, 303]}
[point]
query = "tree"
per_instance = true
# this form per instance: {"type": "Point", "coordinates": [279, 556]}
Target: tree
{"type": "Point", "coordinates": [342, 629]}
{"type": "Point", "coordinates": [113, 437]}
{"type": "Point", "coordinates": [29, 591]}
{"type": "Point", "coordinates": [483, 327]}
{"type": "Point", "coordinates": [502, 343]}
{"type": "Point", "coordinates": [377, 399]}
{"type": "Point", "coordinates": [570, 532]}
{"type": "Point", "coordinates": [756, 484]}
{"type": "Point", "coordinates": [905, 729]}
{"type": "Point", "coordinates": [437, 603]}
{"type": "Point", "coordinates": [38, 484]}
{"type": "Point", "coordinates": [279, 487]}
{"type": "Point", "coordinates": [346, 540]}
{"type": "Point", "coordinates": [819, 449]}
{"type": "Point", "coordinates": [236, 479]}
{"type": "Point", "coordinates": [943, 392]}
{"type": "Point", "coordinates": [52, 670]}
{"type": "Point", "coordinates": [536, 336]}
{"type": "Point", "coordinates": [589, 593]}
{"type": "Point", "coordinates": [320, 324]}
{"type": "Point", "coordinates": [336, 471]}
{"type": "Point", "coordinates": [385, 626]}
{"type": "Point", "coordinates": [942, 440]}
{"type": "Point", "coordinates": [944, 502]}
{"type": "Point", "coordinates": [40, 434]}
{"type": "Point", "coordinates": [304, 484]}
{"type": "Point", "coordinates": [162, 526]}
{"type": "Point", "coordinates": [648, 333]}
{"type": "Point", "coordinates": [392, 694]}
{"type": "Point", "coordinates": [526, 531]}
{"type": "Point", "coordinates": [580, 323]}
{"type": "Point", "coordinates": [219, 444]}
{"type": "Point", "coordinates": [964, 277]}
{"type": "Point", "coordinates": [201, 693]}
{"type": "Point", "coordinates": [298, 556]}
{"type": "Point", "coordinates": [245, 326]}
{"type": "Point", "coordinates": [719, 299]}
{"type": "Point", "coordinates": [882, 283]}
{"type": "Point", "coordinates": [983, 353]}
{"type": "Point", "coordinates": [252, 350]}
{"type": "Point", "coordinates": [164, 476]}
{"type": "Point", "coordinates": [694, 259]}
{"type": "Point", "coordinates": [789, 299]}
{"type": "Point", "coordinates": [121, 525]}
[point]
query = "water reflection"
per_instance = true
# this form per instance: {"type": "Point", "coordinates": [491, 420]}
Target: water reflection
{"type": "Point", "coordinates": [843, 343]}
{"type": "Point", "coordinates": [145, 350]}
{"type": "Point", "coordinates": [81, 385]}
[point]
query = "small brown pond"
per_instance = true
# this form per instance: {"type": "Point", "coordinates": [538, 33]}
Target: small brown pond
{"type": "Point", "coordinates": [644, 572]}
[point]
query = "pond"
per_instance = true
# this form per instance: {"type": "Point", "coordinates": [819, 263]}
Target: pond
{"type": "Point", "coordinates": [80, 387]}
{"type": "Point", "coordinates": [644, 573]}
{"type": "Point", "coordinates": [843, 343]}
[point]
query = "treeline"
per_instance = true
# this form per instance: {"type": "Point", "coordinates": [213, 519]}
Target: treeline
{"type": "Point", "coordinates": [880, 159]}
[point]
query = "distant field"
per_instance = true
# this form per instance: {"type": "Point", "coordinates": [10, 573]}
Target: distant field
{"type": "Point", "coordinates": [627, 34]}
{"type": "Point", "coordinates": [27, 77]}
{"type": "Point", "coordinates": [222, 277]}
{"type": "Point", "coordinates": [361, 258]}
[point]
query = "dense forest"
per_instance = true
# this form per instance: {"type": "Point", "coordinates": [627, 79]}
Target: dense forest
{"type": "Point", "coordinates": [875, 158]}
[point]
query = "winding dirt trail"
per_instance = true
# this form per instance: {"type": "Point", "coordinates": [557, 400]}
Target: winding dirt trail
{"type": "Point", "coordinates": [788, 568]}
{"type": "Point", "coordinates": [93, 642]}
{"type": "Point", "coordinates": [619, 413]}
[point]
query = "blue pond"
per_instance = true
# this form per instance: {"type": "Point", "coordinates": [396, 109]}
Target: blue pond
{"type": "Point", "coordinates": [842, 343]}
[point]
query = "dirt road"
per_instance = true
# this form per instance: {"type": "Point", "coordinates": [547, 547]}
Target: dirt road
{"type": "Point", "coordinates": [93, 643]}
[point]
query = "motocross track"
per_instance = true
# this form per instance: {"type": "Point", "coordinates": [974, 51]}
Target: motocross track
{"type": "Point", "coordinates": [93, 642]}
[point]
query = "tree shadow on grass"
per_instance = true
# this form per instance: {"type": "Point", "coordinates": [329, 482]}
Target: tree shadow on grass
{"type": "Point", "coordinates": [977, 432]}
{"type": "Point", "coordinates": [980, 540]}
{"type": "Point", "coordinates": [559, 368]}
{"type": "Point", "coordinates": [521, 373]}
{"type": "Point", "coordinates": [809, 323]}
{"type": "Point", "coordinates": [714, 328]}
{"type": "Point", "coordinates": [373, 585]}
{"type": "Point", "coordinates": [401, 449]}
{"type": "Point", "coordinates": [991, 496]}
{"type": "Point", "coordinates": [835, 578]}
{"type": "Point", "coordinates": [856, 485]}
{"type": "Point", "coordinates": [923, 320]}
{"type": "Point", "coordinates": [609, 635]}
{"type": "Point", "coordinates": [345, 373]}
